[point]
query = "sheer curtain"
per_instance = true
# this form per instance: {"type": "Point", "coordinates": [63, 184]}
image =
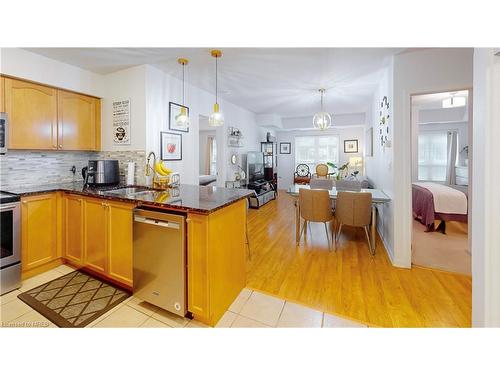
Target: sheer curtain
{"type": "Point", "coordinates": [451, 161]}
{"type": "Point", "coordinates": [208, 156]}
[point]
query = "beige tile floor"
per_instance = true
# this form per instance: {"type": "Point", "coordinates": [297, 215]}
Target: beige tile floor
{"type": "Point", "coordinates": [251, 309]}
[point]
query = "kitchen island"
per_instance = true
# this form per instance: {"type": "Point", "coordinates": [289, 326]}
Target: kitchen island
{"type": "Point", "coordinates": [92, 229]}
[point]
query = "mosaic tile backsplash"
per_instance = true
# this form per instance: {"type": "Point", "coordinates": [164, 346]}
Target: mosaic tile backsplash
{"type": "Point", "coordinates": [40, 167]}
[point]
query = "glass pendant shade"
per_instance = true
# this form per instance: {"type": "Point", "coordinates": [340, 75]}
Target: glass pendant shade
{"type": "Point", "coordinates": [216, 118]}
{"type": "Point", "coordinates": [322, 120]}
{"type": "Point", "coordinates": [182, 119]}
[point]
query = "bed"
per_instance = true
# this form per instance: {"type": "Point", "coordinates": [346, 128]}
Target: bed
{"type": "Point", "coordinates": [433, 201]}
{"type": "Point", "coordinates": [206, 179]}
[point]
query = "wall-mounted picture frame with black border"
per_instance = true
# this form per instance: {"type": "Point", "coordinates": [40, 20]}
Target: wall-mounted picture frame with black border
{"type": "Point", "coordinates": [170, 146]}
{"type": "Point", "coordinates": [350, 146]}
{"type": "Point", "coordinates": [174, 110]}
{"type": "Point", "coordinates": [285, 148]}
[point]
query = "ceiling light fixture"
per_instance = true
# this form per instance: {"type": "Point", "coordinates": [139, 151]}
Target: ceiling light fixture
{"type": "Point", "coordinates": [454, 101]}
{"type": "Point", "coordinates": [322, 120]}
{"type": "Point", "coordinates": [216, 118]}
{"type": "Point", "coordinates": [182, 119]}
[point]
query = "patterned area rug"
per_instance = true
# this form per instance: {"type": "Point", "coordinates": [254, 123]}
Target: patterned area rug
{"type": "Point", "coordinates": [74, 300]}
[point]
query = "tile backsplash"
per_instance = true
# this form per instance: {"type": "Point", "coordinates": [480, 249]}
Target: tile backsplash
{"type": "Point", "coordinates": [41, 167]}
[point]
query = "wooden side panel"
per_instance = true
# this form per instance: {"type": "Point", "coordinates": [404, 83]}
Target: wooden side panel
{"type": "Point", "coordinates": [32, 113]}
{"type": "Point", "coordinates": [38, 230]}
{"type": "Point", "coordinates": [120, 242]}
{"type": "Point", "coordinates": [2, 94]}
{"type": "Point", "coordinates": [95, 235]}
{"type": "Point", "coordinates": [77, 121]}
{"type": "Point", "coordinates": [226, 263]}
{"type": "Point", "coordinates": [197, 255]}
{"type": "Point", "coordinates": [73, 229]}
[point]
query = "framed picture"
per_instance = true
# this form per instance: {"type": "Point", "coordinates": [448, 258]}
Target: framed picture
{"type": "Point", "coordinates": [285, 148]}
{"type": "Point", "coordinates": [174, 110]}
{"type": "Point", "coordinates": [350, 146]}
{"type": "Point", "coordinates": [170, 146]}
{"type": "Point", "coordinates": [369, 142]}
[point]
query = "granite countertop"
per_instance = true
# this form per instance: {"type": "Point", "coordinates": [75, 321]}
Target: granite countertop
{"type": "Point", "coordinates": [188, 198]}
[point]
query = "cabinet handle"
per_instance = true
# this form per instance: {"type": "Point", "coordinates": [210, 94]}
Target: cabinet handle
{"type": "Point", "coordinates": [60, 146]}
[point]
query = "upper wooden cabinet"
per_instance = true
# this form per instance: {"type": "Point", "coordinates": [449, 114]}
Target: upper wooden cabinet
{"type": "Point", "coordinates": [2, 94]}
{"type": "Point", "coordinates": [46, 118]}
{"type": "Point", "coordinates": [78, 121]}
{"type": "Point", "coordinates": [32, 111]}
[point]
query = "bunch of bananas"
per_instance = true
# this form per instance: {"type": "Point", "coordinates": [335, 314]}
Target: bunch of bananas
{"type": "Point", "coordinates": [161, 169]}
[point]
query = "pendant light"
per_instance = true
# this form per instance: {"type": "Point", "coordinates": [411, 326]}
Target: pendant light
{"type": "Point", "coordinates": [182, 119]}
{"type": "Point", "coordinates": [454, 101]}
{"type": "Point", "coordinates": [322, 120]}
{"type": "Point", "coordinates": [216, 118]}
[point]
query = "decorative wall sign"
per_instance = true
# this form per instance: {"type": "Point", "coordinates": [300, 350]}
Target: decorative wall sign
{"type": "Point", "coordinates": [285, 148]}
{"type": "Point", "coordinates": [121, 122]}
{"type": "Point", "coordinates": [350, 146]}
{"type": "Point", "coordinates": [384, 123]}
{"type": "Point", "coordinates": [170, 146]}
{"type": "Point", "coordinates": [174, 110]}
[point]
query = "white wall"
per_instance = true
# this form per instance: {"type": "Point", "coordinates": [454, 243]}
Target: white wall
{"type": "Point", "coordinates": [20, 63]}
{"type": "Point", "coordinates": [286, 162]}
{"type": "Point", "coordinates": [485, 182]}
{"type": "Point", "coordinates": [162, 88]}
{"type": "Point", "coordinates": [424, 71]}
{"type": "Point", "coordinates": [379, 167]}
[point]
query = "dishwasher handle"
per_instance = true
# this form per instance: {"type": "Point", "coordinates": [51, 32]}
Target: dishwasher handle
{"type": "Point", "coordinates": [161, 223]}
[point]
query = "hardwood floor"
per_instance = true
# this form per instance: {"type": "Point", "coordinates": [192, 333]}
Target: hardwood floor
{"type": "Point", "coordinates": [349, 282]}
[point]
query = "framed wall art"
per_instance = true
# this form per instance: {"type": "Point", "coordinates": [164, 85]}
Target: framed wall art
{"type": "Point", "coordinates": [351, 146]}
{"type": "Point", "coordinates": [170, 146]}
{"type": "Point", "coordinates": [174, 110]}
{"type": "Point", "coordinates": [285, 148]}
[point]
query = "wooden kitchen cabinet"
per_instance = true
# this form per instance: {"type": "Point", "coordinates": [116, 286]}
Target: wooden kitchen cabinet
{"type": "Point", "coordinates": [32, 111]}
{"type": "Point", "coordinates": [79, 121]}
{"type": "Point", "coordinates": [46, 118]}
{"type": "Point", "coordinates": [39, 232]}
{"type": "Point", "coordinates": [73, 228]}
{"type": "Point", "coordinates": [120, 241]}
{"type": "Point", "coordinates": [216, 261]}
{"type": "Point", "coordinates": [95, 250]}
{"type": "Point", "coordinates": [2, 94]}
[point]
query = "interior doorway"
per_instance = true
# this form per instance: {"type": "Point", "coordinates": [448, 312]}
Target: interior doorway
{"type": "Point", "coordinates": [207, 153]}
{"type": "Point", "coordinates": [441, 169]}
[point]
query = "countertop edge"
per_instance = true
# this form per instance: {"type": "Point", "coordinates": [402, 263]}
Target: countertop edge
{"type": "Point", "coordinates": [138, 202]}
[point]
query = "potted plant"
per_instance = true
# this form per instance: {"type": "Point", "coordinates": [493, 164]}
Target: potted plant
{"type": "Point", "coordinates": [339, 172]}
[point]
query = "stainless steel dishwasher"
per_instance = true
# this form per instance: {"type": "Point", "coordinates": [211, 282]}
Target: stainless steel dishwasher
{"type": "Point", "coordinates": [160, 259]}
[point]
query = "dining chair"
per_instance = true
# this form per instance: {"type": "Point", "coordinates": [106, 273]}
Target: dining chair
{"type": "Point", "coordinates": [321, 183]}
{"type": "Point", "coordinates": [348, 185]}
{"type": "Point", "coordinates": [315, 207]}
{"type": "Point", "coordinates": [321, 170]}
{"type": "Point", "coordinates": [354, 209]}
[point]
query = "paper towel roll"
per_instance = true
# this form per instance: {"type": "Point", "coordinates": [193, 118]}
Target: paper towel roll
{"type": "Point", "coordinates": [130, 173]}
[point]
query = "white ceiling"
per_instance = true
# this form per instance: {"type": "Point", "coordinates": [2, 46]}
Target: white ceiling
{"type": "Point", "coordinates": [264, 80]}
{"type": "Point", "coordinates": [435, 101]}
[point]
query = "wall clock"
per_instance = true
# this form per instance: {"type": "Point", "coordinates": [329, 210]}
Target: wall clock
{"type": "Point", "coordinates": [384, 122]}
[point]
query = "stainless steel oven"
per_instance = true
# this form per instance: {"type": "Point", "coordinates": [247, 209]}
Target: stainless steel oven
{"type": "Point", "coordinates": [4, 127]}
{"type": "Point", "coordinates": [10, 261]}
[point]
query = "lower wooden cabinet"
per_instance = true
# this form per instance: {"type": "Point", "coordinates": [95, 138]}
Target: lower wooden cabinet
{"type": "Point", "coordinates": [40, 231]}
{"type": "Point", "coordinates": [98, 236]}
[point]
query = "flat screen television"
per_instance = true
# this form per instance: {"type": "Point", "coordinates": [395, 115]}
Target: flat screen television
{"type": "Point", "coordinates": [255, 166]}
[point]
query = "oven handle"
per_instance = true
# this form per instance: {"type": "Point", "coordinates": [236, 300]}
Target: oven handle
{"type": "Point", "coordinates": [6, 208]}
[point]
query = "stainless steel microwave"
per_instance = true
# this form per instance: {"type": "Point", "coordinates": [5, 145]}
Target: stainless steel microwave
{"type": "Point", "coordinates": [4, 126]}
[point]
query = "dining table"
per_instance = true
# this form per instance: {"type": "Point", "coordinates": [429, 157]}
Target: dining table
{"type": "Point", "coordinates": [378, 198]}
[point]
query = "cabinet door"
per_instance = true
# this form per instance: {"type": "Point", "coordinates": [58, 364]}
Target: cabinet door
{"type": "Point", "coordinates": [73, 228]}
{"type": "Point", "coordinates": [120, 242]}
{"type": "Point", "coordinates": [78, 121]}
{"type": "Point", "coordinates": [198, 283]}
{"type": "Point", "coordinates": [38, 230]}
{"type": "Point", "coordinates": [32, 111]}
{"type": "Point", "coordinates": [95, 233]}
{"type": "Point", "coordinates": [2, 94]}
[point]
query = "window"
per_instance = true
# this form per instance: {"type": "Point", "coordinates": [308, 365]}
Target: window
{"type": "Point", "coordinates": [313, 150]}
{"type": "Point", "coordinates": [432, 155]}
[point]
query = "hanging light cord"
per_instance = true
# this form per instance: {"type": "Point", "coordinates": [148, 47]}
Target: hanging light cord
{"type": "Point", "coordinates": [321, 100]}
{"type": "Point", "coordinates": [183, 66]}
{"type": "Point", "coordinates": [216, 80]}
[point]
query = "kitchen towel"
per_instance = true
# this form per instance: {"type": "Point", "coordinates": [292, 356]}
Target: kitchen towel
{"type": "Point", "coordinates": [130, 172]}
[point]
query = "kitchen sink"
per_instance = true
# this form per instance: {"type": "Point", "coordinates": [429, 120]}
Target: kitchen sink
{"type": "Point", "coordinates": [128, 191]}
